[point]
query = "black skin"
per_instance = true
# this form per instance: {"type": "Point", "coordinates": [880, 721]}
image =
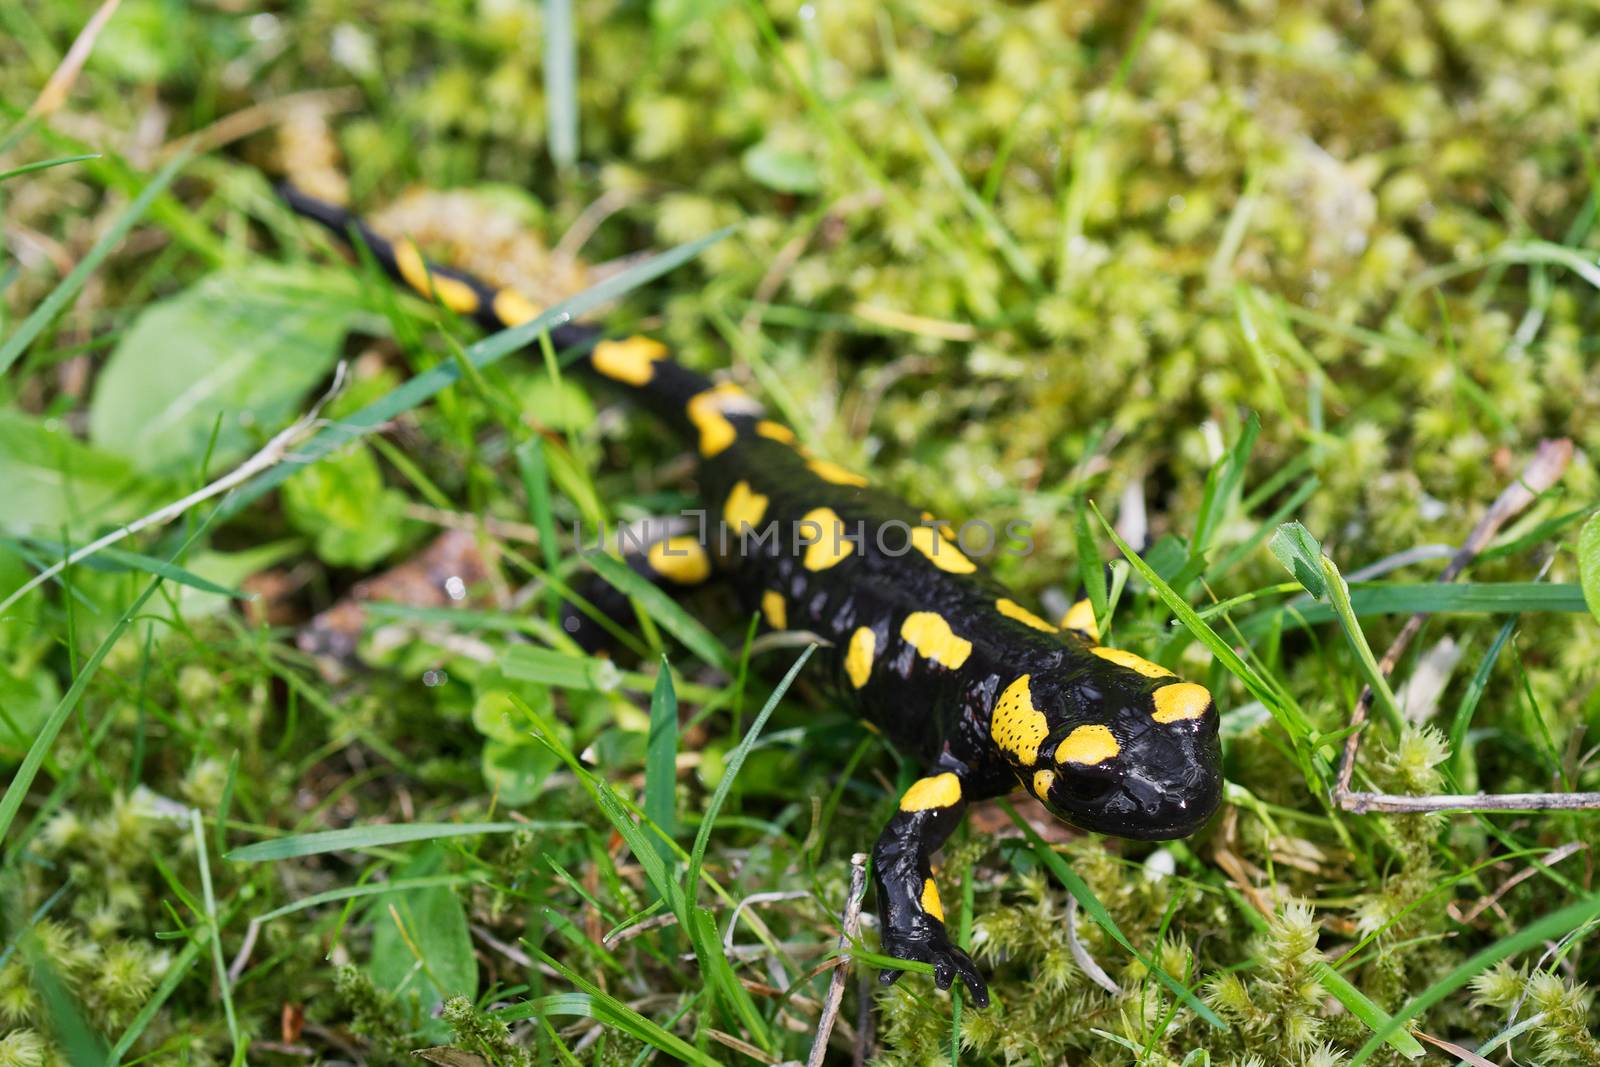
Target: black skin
{"type": "Point", "coordinates": [1162, 778]}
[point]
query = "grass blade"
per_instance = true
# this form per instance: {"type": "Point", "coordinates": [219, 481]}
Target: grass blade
{"type": "Point", "coordinates": [1552, 927]}
{"type": "Point", "coordinates": [45, 164]}
{"type": "Point", "coordinates": [1222, 650]}
{"type": "Point", "coordinates": [1097, 911]}
{"type": "Point", "coordinates": [672, 616]}
{"type": "Point", "coordinates": [116, 559]}
{"type": "Point", "coordinates": [68, 287]}
{"type": "Point", "coordinates": [423, 387]}
{"type": "Point", "coordinates": [639, 839]}
{"type": "Point", "coordinates": [45, 738]}
{"type": "Point", "coordinates": [176, 973]}
{"type": "Point", "coordinates": [661, 758]}
{"type": "Point", "coordinates": [1469, 702]}
{"type": "Point", "coordinates": [224, 985]}
{"type": "Point", "coordinates": [355, 892]}
{"type": "Point", "coordinates": [735, 761]}
{"type": "Point", "coordinates": [1431, 598]}
{"type": "Point", "coordinates": [1358, 1004]}
{"type": "Point", "coordinates": [596, 1003]}
{"type": "Point", "coordinates": [714, 964]}
{"type": "Point", "coordinates": [560, 83]}
{"type": "Point", "coordinates": [359, 837]}
{"type": "Point", "coordinates": [1339, 594]}
{"type": "Point", "coordinates": [536, 485]}
{"type": "Point", "coordinates": [79, 1041]}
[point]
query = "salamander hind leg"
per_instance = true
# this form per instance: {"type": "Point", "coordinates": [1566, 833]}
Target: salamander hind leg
{"type": "Point", "coordinates": [910, 911]}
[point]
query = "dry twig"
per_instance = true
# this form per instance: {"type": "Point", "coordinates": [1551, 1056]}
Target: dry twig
{"type": "Point", "coordinates": [59, 87]}
{"type": "Point", "coordinates": [841, 974]}
{"type": "Point", "coordinates": [271, 454]}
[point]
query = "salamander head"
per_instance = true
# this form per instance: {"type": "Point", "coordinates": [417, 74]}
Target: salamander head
{"type": "Point", "coordinates": [1114, 744]}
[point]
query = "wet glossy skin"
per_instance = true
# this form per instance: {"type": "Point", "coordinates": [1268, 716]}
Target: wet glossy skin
{"type": "Point", "coordinates": [924, 643]}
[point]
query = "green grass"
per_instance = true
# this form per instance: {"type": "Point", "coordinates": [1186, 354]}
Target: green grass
{"type": "Point", "coordinates": [1285, 282]}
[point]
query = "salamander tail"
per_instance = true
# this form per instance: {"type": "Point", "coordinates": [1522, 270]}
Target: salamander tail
{"type": "Point", "coordinates": [637, 363]}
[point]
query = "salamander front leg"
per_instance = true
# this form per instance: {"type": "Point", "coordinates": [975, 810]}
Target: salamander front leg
{"type": "Point", "coordinates": [911, 914]}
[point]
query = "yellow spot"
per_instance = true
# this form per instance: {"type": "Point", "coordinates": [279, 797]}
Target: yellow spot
{"type": "Point", "coordinates": [830, 546]}
{"type": "Point", "coordinates": [940, 553]}
{"type": "Point", "coordinates": [872, 727]}
{"type": "Point", "coordinates": [775, 431]}
{"type": "Point", "coordinates": [1087, 745]}
{"type": "Point", "coordinates": [1015, 724]}
{"type": "Point", "coordinates": [774, 611]}
{"type": "Point", "coordinates": [930, 899]}
{"type": "Point", "coordinates": [939, 791]}
{"type": "Point", "coordinates": [630, 361]}
{"type": "Point", "coordinates": [514, 309]}
{"type": "Point", "coordinates": [858, 657]}
{"type": "Point", "coordinates": [453, 293]}
{"type": "Point", "coordinates": [930, 635]}
{"type": "Point", "coordinates": [708, 411]}
{"type": "Point", "coordinates": [1123, 658]}
{"type": "Point", "coordinates": [832, 472]}
{"type": "Point", "coordinates": [680, 559]}
{"type": "Point", "coordinates": [1081, 618]}
{"type": "Point", "coordinates": [745, 507]}
{"type": "Point", "coordinates": [1042, 781]}
{"type": "Point", "coordinates": [1181, 700]}
{"type": "Point", "coordinates": [1012, 610]}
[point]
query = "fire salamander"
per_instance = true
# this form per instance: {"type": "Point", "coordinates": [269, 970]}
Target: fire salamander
{"type": "Point", "coordinates": [924, 643]}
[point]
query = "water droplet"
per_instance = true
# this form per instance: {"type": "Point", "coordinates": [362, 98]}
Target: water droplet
{"type": "Point", "coordinates": [455, 588]}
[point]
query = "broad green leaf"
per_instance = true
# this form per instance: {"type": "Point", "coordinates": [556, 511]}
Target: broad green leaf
{"type": "Point", "coordinates": [564, 406]}
{"type": "Point", "coordinates": [1589, 563]}
{"type": "Point", "coordinates": [52, 480]}
{"type": "Point", "coordinates": [343, 505]}
{"type": "Point", "coordinates": [515, 772]}
{"type": "Point", "coordinates": [527, 663]}
{"type": "Point", "coordinates": [777, 168]}
{"type": "Point", "coordinates": [497, 718]}
{"type": "Point", "coordinates": [245, 346]}
{"type": "Point", "coordinates": [420, 942]}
